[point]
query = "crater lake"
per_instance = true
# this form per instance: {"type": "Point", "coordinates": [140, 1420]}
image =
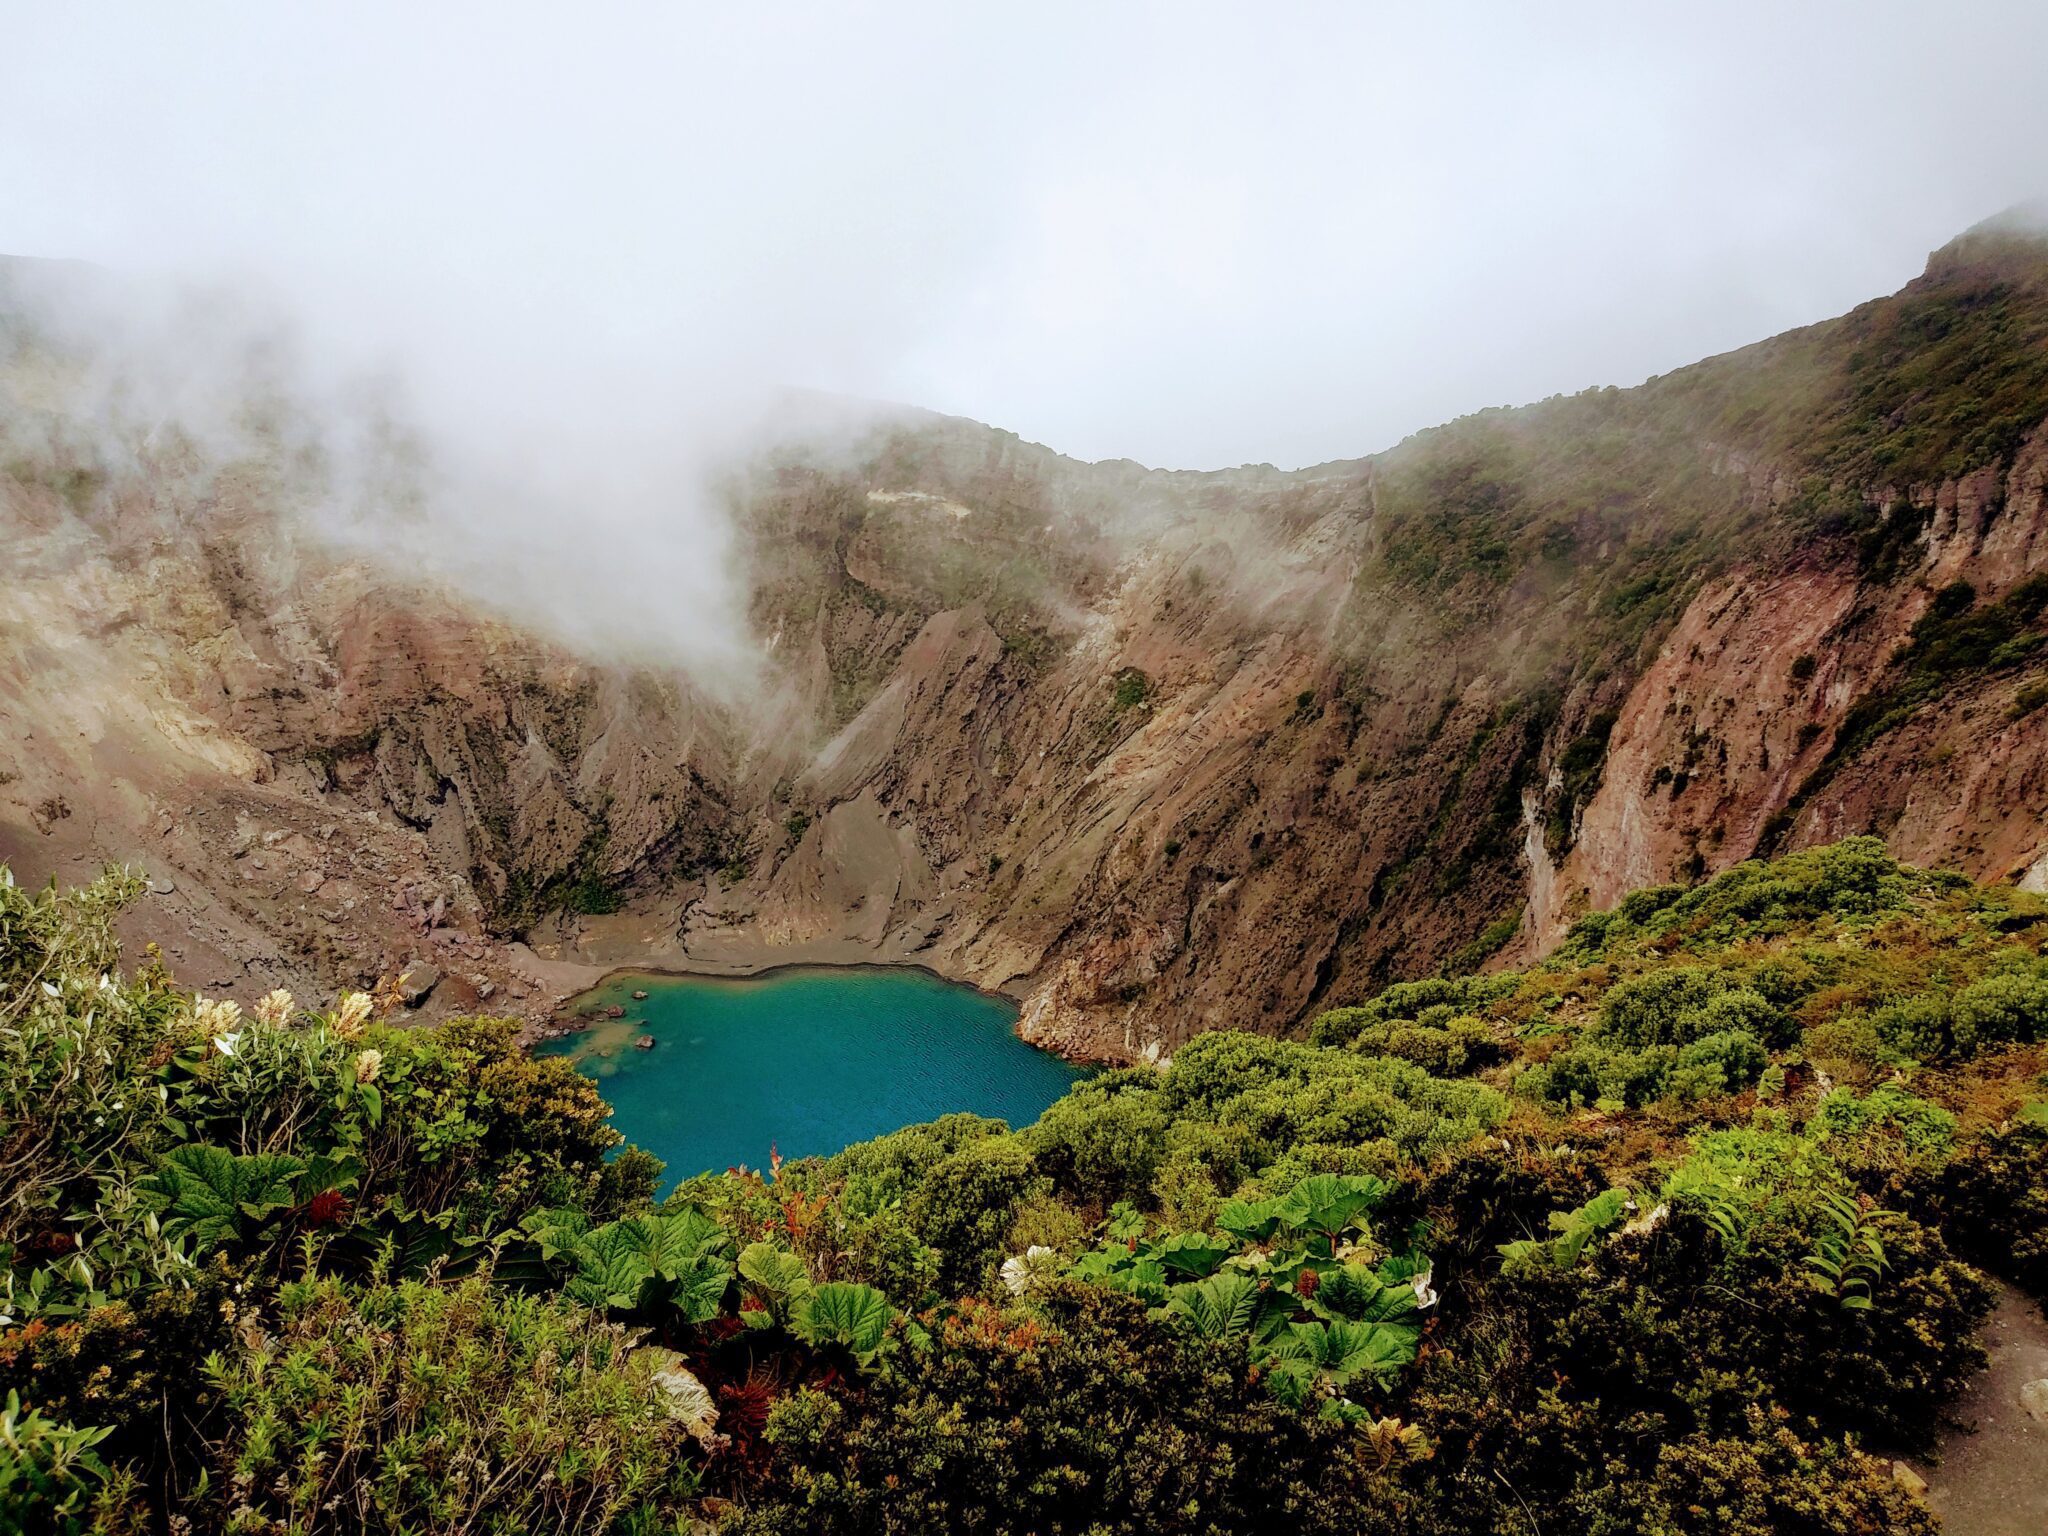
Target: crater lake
{"type": "Point", "coordinates": [804, 1060]}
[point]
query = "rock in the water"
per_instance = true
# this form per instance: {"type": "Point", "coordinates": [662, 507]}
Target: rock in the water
{"type": "Point", "coordinates": [1908, 1479]}
{"type": "Point", "coordinates": [644, 1043]}
{"type": "Point", "coordinates": [417, 984]}
{"type": "Point", "coordinates": [640, 996]}
{"type": "Point", "coordinates": [616, 1011]}
{"type": "Point", "coordinates": [2034, 1398]}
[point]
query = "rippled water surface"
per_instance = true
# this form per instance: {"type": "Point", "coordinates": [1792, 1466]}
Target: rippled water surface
{"type": "Point", "coordinates": [807, 1060]}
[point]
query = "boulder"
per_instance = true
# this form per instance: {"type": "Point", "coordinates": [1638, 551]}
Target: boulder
{"type": "Point", "coordinates": [2034, 1398]}
{"type": "Point", "coordinates": [417, 984]}
{"type": "Point", "coordinates": [640, 996]}
{"type": "Point", "coordinates": [644, 1043]}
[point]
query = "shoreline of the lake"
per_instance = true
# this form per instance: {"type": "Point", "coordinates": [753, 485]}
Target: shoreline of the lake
{"type": "Point", "coordinates": [573, 980]}
{"type": "Point", "coordinates": [757, 973]}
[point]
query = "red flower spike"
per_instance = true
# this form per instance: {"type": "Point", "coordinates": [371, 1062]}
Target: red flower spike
{"type": "Point", "coordinates": [329, 1208]}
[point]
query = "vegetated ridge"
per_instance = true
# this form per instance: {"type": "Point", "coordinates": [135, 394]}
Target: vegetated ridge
{"type": "Point", "coordinates": [1684, 1229]}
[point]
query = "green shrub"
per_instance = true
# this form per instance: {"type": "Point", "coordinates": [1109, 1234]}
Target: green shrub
{"type": "Point", "coordinates": [1104, 1140]}
{"type": "Point", "coordinates": [1993, 1201]}
{"type": "Point", "coordinates": [1724, 1062]}
{"type": "Point", "coordinates": [1130, 689]}
{"type": "Point", "coordinates": [965, 1205]}
{"type": "Point", "coordinates": [1005, 1425]}
{"type": "Point", "coordinates": [419, 1408]}
{"type": "Point", "coordinates": [1853, 881]}
{"type": "Point", "coordinates": [53, 1480]}
{"type": "Point", "coordinates": [1999, 1009]}
{"type": "Point", "coordinates": [1411, 1001]}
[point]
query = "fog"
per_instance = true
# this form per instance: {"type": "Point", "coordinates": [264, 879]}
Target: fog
{"type": "Point", "coordinates": [585, 247]}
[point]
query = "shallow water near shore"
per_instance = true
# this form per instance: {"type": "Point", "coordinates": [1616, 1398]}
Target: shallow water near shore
{"type": "Point", "coordinates": [806, 1060]}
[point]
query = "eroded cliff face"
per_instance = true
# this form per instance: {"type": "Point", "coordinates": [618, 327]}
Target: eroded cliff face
{"type": "Point", "coordinates": [1728, 741]}
{"type": "Point", "coordinates": [1155, 752]}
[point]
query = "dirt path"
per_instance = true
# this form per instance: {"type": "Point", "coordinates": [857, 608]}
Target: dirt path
{"type": "Point", "coordinates": [1993, 1477]}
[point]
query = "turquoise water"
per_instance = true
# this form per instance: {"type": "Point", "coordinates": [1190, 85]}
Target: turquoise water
{"type": "Point", "coordinates": [805, 1060]}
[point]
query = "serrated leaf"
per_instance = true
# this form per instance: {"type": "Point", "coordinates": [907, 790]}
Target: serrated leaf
{"type": "Point", "coordinates": [774, 1272]}
{"type": "Point", "coordinates": [1327, 1203]}
{"type": "Point", "coordinates": [1354, 1293]}
{"type": "Point", "coordinates": [1249, 1221]}
{"type": "Point", "coordinates": [854, 1317]}
{"type": "Point", "coordinates": [214, 1195]}
{"type": "Point", "coordinates": [1188, 1253]}
{"type": "Point", "coordinates": [1220, 1307]}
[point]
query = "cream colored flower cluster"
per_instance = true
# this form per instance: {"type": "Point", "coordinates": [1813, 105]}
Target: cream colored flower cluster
{"type": "Point", "coordinates": [351, 1014]}
{"type": "Point", "coordinates": [217, 1016]}
{"type": "Point", "coordinates": [221, 1018]}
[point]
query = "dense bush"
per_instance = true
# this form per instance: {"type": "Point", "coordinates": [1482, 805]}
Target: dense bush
{"type": "Point", "coordinates": [1993, 1200]}
{"type": "Point", "coordinates": [1079, 1417]}
{"type": "Point", "coordinates": [1649, 1236]}
{"type": "Point", "coordinates": [412, 1407]}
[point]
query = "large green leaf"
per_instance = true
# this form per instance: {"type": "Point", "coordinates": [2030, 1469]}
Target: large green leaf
{"type": "Point", "coordinates": [1145, 1279]}
{"type": "Point", "coordinates": [1329, 1202]}
{"type": "Point", "coordinates": [216, 1196]}
{"type": "Point", "coordinates": [694, 1287]}
{"type": "Point", "coordinates": [1189, 1253]}
{"type": "Point", "coordinates": [668, 1239]}
{"type": "Point", "coordinates": [1340, 1351]}
{"type": "Point", "coordinates": [611, 1266]}
{"type": "Point", "coordinates": [557, 1231]}
{"type": "Point", "coordinates": [1354, 1293]}
{"type": "Point", "coordinates": [1125, 1222]}
{"type": "Point", "coordinates": [1142, 1275]}
{"type": "Point", "coordinates": [1249, 1221]}
{"type": "Point", "coordinates": [855, 1317]}
{"type": "Point", "coordinates": [1102, 1265]}
{"type": "Point", "coordinates": [1220, 1307]}
{"type": "Point", "coordinates": [774, 1272]}
{"type": "Point", "coordinates": [647, 1263]}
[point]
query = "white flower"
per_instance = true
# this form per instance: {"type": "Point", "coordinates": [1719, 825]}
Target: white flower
{"type": "Point", "coordinates": [1649, 1221]}
{"type": "Point", "coordinates": [368, 1065]}
{"type": "Point", "coordinates": [1425, 1295]}
{"type": "Point", "coordinates": [1029, 1270]}
{"type": "Point", "coordinates": [276, 1008]}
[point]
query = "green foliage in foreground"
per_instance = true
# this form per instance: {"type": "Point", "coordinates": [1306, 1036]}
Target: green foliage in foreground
{"type": "Point", "coordinates": [1675, 1231]}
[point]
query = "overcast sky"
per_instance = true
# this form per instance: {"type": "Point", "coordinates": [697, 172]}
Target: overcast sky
{"type": "Point", "coordinates": [1190, 235]}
